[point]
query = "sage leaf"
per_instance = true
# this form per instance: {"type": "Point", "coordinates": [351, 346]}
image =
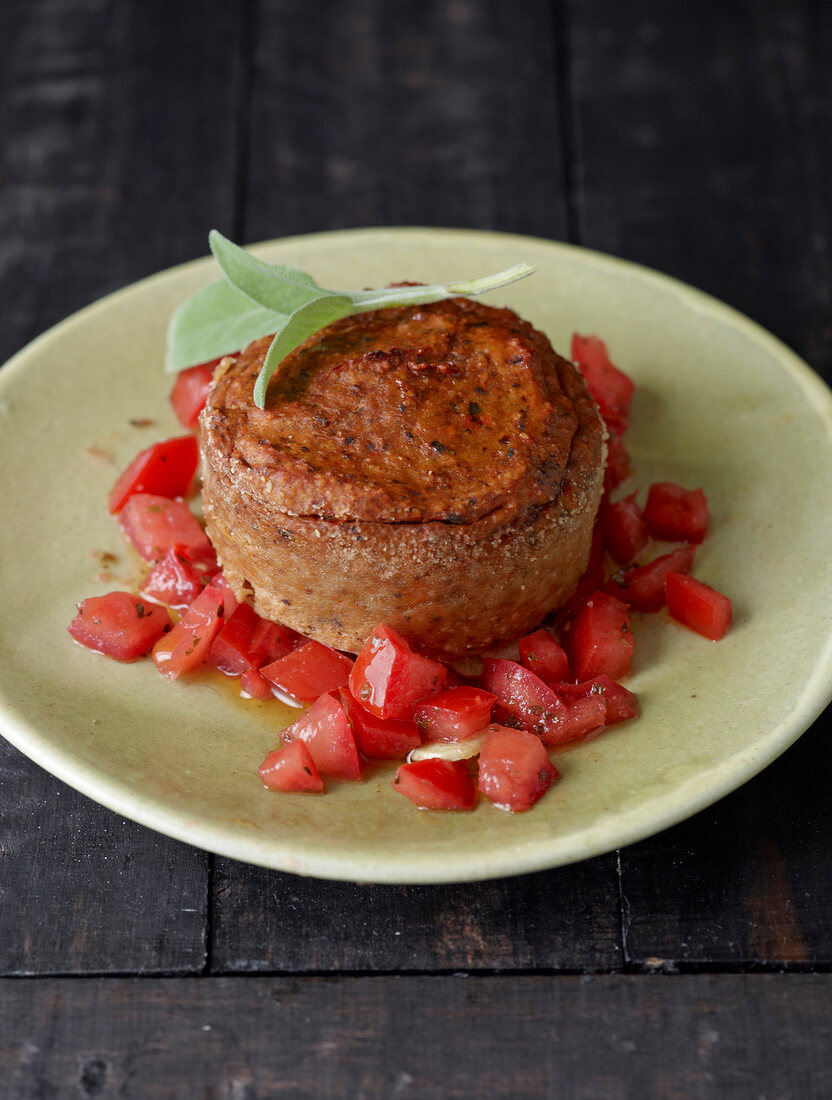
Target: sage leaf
{"type": "Point", "coordinates": [273, 286]}
{"type": "Point", "coordinates": [306, 320]}
{"type": "Point", "coordinates": [217, 320]}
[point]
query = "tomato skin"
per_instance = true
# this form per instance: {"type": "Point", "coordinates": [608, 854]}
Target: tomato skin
{"type": "Point", "coordinates": [525, 696]}
{"type": "Point", "coordinates": [676, 514]}
{"type": "Point", "coordinates": [625, 532]}
{"type": "Point", "coordinates": [643, 587]}
{"type": "Point", "coordinates": [190, 392]}
{"type": "Point", "coordinates": [165, 469]}
{"type": "Point", "coordinates": [542, 654]}
{"type": "Point", "coordinates": [255, 686]}
{"type": "Point", "coordinates": [436, 784]}
{"type": "Point", "coordinates": [309, 671]}
{"type": "Point", "coordinates": [290, 769]}
{"type": "Point", "coordinates": [172, 580]}
{"type": "Point", "coordinates": [454, 714]}
{"type": "Point", "coordinates": [379, 738]}
{"type": "Point", "coordinates": [602, 641]}
{"type": "Point", "coordinates": [698, 606]}
{"type": "Point", "coordinates": [327, 734]}
{"type": "Point", "coordinates": [155, 524]}
{"type": "Point", "coordinates": [388, 678]}
{"type": "Point", "coordinates": [611, 387]}
{"type": "Point", "coordinates": [119, 625]}
{"type": "Point", "coordinates": [186, 646]}
{"type": "Point", "coordinates": [514, 768]}
{"type": "Point", "coordinates": [621, 704]}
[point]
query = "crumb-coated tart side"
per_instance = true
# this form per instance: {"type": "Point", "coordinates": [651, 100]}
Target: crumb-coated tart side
{"type": "Point", "coordinates": [434, 467]}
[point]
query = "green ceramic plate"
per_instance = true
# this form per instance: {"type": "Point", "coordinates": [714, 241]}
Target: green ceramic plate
{"type": "Point", "coordinates": [720, 403]}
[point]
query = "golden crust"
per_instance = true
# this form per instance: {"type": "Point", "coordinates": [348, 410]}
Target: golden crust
{"type": "Point", "coordinates": [334, 552]}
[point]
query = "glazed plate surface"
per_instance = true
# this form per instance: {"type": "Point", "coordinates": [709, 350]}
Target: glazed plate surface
{"type": "Point", "coordinates": [720, 403]}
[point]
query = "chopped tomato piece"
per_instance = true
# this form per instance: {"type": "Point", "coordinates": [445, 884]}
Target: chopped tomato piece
{"type": "Point", "coordinates": [454, 714]}
{"type": "Point", "coordinates": [625, 532]}
{"type": "Point", "coordinates": [325, 730]}
{"type": "Point", "coordinates": [583, 715]}
{"type": "Point", "coordinates": [618, 460]}
{"type": "Point", "coordinates": [514, 768]}
{"type": "Point", "coordinates": [437, 784]}
{"type": "Point", "coordinates": [230, 651]}
{"type": "Point", "coordinates": [591, 579]}
{"type": "Point", "coordinates": [698, 606]}
{"type": "Point", "coordinates": [187, 645]}
{"type": "Point", "coordinates": [620, 703]}
{"type": "Point", "coordinates": [676, 514]}
{"type": "Point", "coordinates": [524, 695]}
{"type": "Point", "coordinates": [611, 387]}
{"type": "Point", "coordinates": [309, 671]}
{"type": "Point", "coordinates": [643, 587]}
{"type": "Point", "coordinates": [380, 738]}
{"type": "Point", "coordinates": [119, 625]}
{"type": "Point", "coordinates": [601, 638]}
{"type": "Point", "coordinates": [388, 678]}
{"type": "Point", "coordinates": [291, 769]}
{"type": "Point", "coordinates": [155, 524]}
{"type": "Point", "coordinates": [230, 601]}
{"type": "Point", "coordinates": [190, 392]}
{"type": "Point", "coordinates": [253, 685]}
{"type": "Point", "coordinates": [173, 580]}
{"type": "Point", "coordinates": [272, 640]}
{"type": "Point", "coordinates": [540, 653]}
{"type": "Point", "coordinates": [165, 468]}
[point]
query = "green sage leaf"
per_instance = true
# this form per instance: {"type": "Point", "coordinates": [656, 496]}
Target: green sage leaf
{"type": "Point", "coordinates": [273, 286]}
{"type": "Point", "coordinates": [217, 320]}
{"type": "Point", "coordinates": [306, 320]}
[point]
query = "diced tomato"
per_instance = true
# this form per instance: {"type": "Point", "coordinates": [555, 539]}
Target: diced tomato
{"type": "Point", "coordinates": [524, 695]}
{"type": "Point", "coordinates": [591, 579]}
{"type": "Point", "coordinates": [173, 580]}
{"type": "Point", "coordinates": [698, 606]}
{"type": "Point", "coordinates": [155, 524]}
{"type": "Point", "coordinates": [454, 714]}
{"type": "Point", "coordinates": [187, 644]}
{"type": "Point", "coordinates": [583, 715]}
{"type": "Point", "coordinates": [230, 601]}
{"type": "Point", "coordinates": [540, 653]}
{"type": "Point", "coordinates": [119, 625]}
{"type": "Point", "coordinates": [514, 768]}
{"type": "Point", "coordinates": [309, 671]}
{"type": "Point", "coordinates": [272, 640]}
{"type": "Point", "coordinates": [620, 703]}
{"type": "Point", "coordinates": [437, 784]}
{"type": "Point", "coordinates": [380, 738]}
{"type": "Point", "coordinates": [617, 469]}
{"type": "Point", "coordinates": [230, 651]}
{"type": "Point", "coordinates": [253, 685]}
{"type": "Point", "coordinates": [643, 587]}
{"type": "Point", "coordinates": [388, 678]}
{"type": "Point", "coordinates": [611, 388]}
{"type": "Point", "coordinates": [625, 532]}
{"type": "Point", "coordinates": [602, 640]}
{"type": "Point", "coordinates": [291, 769]}
{"type": "Point", "coordinates": [676, 514]}
{"type": "Point", "coordinates": [165, 468]}
{"type": "Point", "coordinates": [190, 392]}
{"type": "Point", "coordinates": [326, 731]}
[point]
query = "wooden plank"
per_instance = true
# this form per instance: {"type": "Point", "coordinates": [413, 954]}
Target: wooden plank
{"type": "Point", "coordinates": [621, 1037]}
{"type": "Point", "coordinates": [718, 130]}
{"type": "Point", "coordinates": [119, 151]}
{"type": "Point", "coordinates": [83, 890]}
{"type": "Point", "coordinates": [563, 920]}
{"type": "Point", "coordinates": [701, 149]}
{"type": "Point", "coordinates": [119, 147]}
{"type": "Point", "coordinates": [410, 113]}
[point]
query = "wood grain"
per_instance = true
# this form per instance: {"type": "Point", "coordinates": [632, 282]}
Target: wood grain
{"type": "Point", "coordinates": [567, 919]}
{"type": "Point", "coordinates": [622, 1038]}
{"type": "Point", "coordinates": [440, 113]}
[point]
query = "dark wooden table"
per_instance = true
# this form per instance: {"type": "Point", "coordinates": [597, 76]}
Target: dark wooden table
{"type": "Point", "coordinates": [694, 139]}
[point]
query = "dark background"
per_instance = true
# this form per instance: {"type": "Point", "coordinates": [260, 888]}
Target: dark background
{"type": "Point", "coordinates": [689, 137]}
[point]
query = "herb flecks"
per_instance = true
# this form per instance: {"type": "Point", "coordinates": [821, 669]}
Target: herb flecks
{"type": "Point", "coordinates": [257, 299]}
